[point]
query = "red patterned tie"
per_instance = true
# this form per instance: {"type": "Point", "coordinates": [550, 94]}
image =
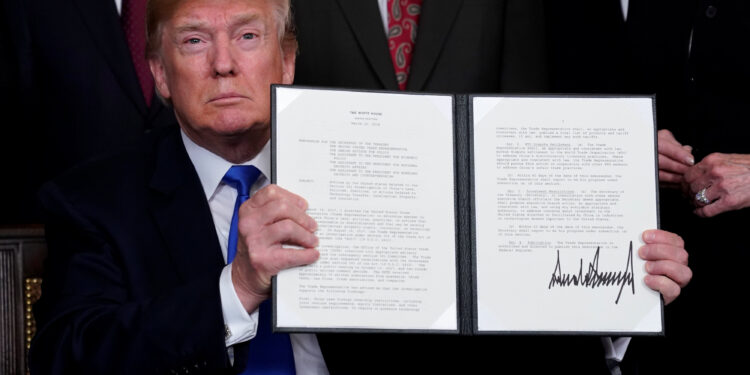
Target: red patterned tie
{"type": "Point", "coordinates": [403, 18]}
{"type": "Point", "coordinates": [133, 19]}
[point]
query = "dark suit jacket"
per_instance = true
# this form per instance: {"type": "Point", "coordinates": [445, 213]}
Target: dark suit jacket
{"type": "Point", "coordinates": [77, 87]}
{"type": "Point", "coordinates": [131, 281]}
{"type": "Point", "coordinates": [463, 46]}
{"type": "Point", "coordinates": [586, 46]}
{"type": "Point", "coordinates": [701, 96]}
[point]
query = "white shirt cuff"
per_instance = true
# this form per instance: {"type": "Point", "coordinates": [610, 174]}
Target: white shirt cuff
{"type": "Point", "coordinates": [615, 349]}
{"type": "Point", "coordinates": [239, 326]}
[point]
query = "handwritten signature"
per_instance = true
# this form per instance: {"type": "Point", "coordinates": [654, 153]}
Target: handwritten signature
{"type": "Point", "coordinates": [593, 278]}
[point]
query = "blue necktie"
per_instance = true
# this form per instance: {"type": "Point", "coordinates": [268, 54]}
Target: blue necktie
{"type": "Point", "coordinates": [269, 353]}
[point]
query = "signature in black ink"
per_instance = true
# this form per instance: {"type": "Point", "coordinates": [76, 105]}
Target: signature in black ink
{"type": "Point", "coordinates": [593, 278]}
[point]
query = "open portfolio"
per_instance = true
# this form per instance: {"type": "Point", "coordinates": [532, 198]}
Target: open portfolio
{"type": "Point", "coordinates": [468, 214]}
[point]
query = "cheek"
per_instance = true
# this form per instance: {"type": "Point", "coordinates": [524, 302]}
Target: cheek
{"type": "Point", "coordinates": [186, 86]}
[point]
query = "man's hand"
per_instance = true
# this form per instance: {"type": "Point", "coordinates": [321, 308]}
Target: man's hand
{"type": "Point", "coordinates": [272, 217]}
{"type": "Point", "coordinates": [666, 263]}
{"type": "Point", "coordinates": [726, 180]}
{"type": "Point", "coordinates": [674, 159]}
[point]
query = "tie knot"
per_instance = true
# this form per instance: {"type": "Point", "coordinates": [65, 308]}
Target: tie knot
{"type": "Point", "coordinates": [241, 177]}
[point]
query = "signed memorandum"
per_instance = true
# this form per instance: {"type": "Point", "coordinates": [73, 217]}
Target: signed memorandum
{"type": "Point", "coordinates": [468, 214]}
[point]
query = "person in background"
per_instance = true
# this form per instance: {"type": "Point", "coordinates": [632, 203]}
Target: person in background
{"type": "Point", "coordinates": [691, 55]}
{"type": "Point", "coordinates": [463, 46]}
{"type": "Point", "coordinates": [82, 89]}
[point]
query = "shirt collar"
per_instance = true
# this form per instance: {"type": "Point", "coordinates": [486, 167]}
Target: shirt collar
{"type": "Point", "coordinates": [211, 167]}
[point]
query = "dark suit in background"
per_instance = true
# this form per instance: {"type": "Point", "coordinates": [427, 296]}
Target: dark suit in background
{"type": "Point", "coordinates": [466, 46]}
{"type": "Point", "coordinates": [586, 46]}
{"type": "Point", "coordinates": [10, 130]}
{"type": "Point", "coordinates": [702, 97]}
{"type": "Point", "coordinates": [462, 46]}
{"type": "Point", "coordinates": [78, 92]}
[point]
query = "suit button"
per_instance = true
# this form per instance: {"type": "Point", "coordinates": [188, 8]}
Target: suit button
{"type": "Point", "coordinates": [711, 11]}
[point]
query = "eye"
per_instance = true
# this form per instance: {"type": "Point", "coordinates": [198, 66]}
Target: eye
{"type": "Point", "coordinates": [249, 36]}
{"type": "Point", "coordinates": [193, 41]}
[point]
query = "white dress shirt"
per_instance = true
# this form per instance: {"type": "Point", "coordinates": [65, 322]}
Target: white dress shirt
{"type": "Point", "coordinates": [240, 325]}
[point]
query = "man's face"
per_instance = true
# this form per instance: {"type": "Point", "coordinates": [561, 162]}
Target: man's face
{"type": "Point", "coordinates": [218, 59]}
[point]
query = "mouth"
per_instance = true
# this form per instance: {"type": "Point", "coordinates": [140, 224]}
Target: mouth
{"type": "Point", "coordinates": [227, 98]}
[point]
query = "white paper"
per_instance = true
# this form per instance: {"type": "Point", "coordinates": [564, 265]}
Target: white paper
{"type": "Point", "coordinates": [568, 176]}
{"type": "Point", "coordinates": [377, 171]}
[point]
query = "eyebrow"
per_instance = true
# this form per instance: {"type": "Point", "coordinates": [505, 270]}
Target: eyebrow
{"type": "Point", "coordinates": [244, 19]}
{"type": "Point", "coordinates": [195, 25]}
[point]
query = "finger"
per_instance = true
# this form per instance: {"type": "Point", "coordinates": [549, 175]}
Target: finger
{"type": "Point", "coordinates": [277, 210]}
{"type": "Point", "coordinates": [658, 252]}
{"type": "Point", "coordinates": [670, 178]}
{"type": "Point", "coordinates": [257, 240]}
{"type": "Point", "coordinates": [679, 273]}
{"type": "Point", "coordinates": [698, 185]}
{"type": "Point", "coordinates": [274, 192]}
{"type": "Point", "coordinates": [289, 232]}
{"type": "Point", "coordinates": [699, 195]}
{"type": "Point", "coordinates": [289, 258]}
{"type": "Point", "coordinates": [670, 165]}
{"type": "Point", "coordinates": [697, 177]}
{"type": "Point", "coordinates": [712, 209]}
{"type": "Point", "coordinates": [662, 284]}
{"type": "Point", "coordinates": [658, 236]}
{"type": "Point", "coordinates": [712, 193]}
{"type": "Point", "coordinates": [668, 146]}
{"type": "Point", "coordinates": [696, 172]}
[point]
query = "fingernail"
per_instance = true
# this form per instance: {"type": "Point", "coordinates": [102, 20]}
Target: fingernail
{"type": "Point", "coordinates": [301, 203]}
{"type": "Point", "coordinates": [642, 252]}
{"type": "Point", "coordinates": [648, 236]}
{"type": "Point", "coordinates": [649, 267]}
{"type": "Point", "coordinates": [690, 160]}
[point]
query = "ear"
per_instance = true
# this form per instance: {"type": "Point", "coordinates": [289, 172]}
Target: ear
{"type": "Point", "coordinates": [289, 57]}
{"type": "Point", "coordinates": [156, 64]}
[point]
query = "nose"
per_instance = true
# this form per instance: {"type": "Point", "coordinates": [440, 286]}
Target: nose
{"type": "Point", "coordinates": [223, 62]}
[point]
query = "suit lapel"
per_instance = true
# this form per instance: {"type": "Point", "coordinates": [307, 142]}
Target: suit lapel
{"type": "Point", "coordinates": [181, 211]}
{"type": "Point", "coordinates": [435, 23]}
{"type": "Point", "coordinates": [365, 22]}
{"type": "Point", "coordinates": [103, 22]}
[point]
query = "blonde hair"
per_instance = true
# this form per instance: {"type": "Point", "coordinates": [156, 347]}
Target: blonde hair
{"type": "Point", "coordinates": [158, 11]}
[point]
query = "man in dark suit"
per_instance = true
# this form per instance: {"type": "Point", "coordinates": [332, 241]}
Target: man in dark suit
{"type": "Point", "coordinates": [464, 46]}
{"type": "Point", "coordinates": [77, 89]}
{"type": "Point", "coordinates": [691, 55]}
{"type": "Point", "coordinates": [135, 281]}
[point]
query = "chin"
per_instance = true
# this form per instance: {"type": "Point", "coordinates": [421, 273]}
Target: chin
{"type": "Point", "coordinates": [237, 126]}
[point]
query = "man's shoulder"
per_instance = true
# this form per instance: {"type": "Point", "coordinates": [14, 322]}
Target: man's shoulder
{"type": "Point", "coordinates": [123, 175]}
